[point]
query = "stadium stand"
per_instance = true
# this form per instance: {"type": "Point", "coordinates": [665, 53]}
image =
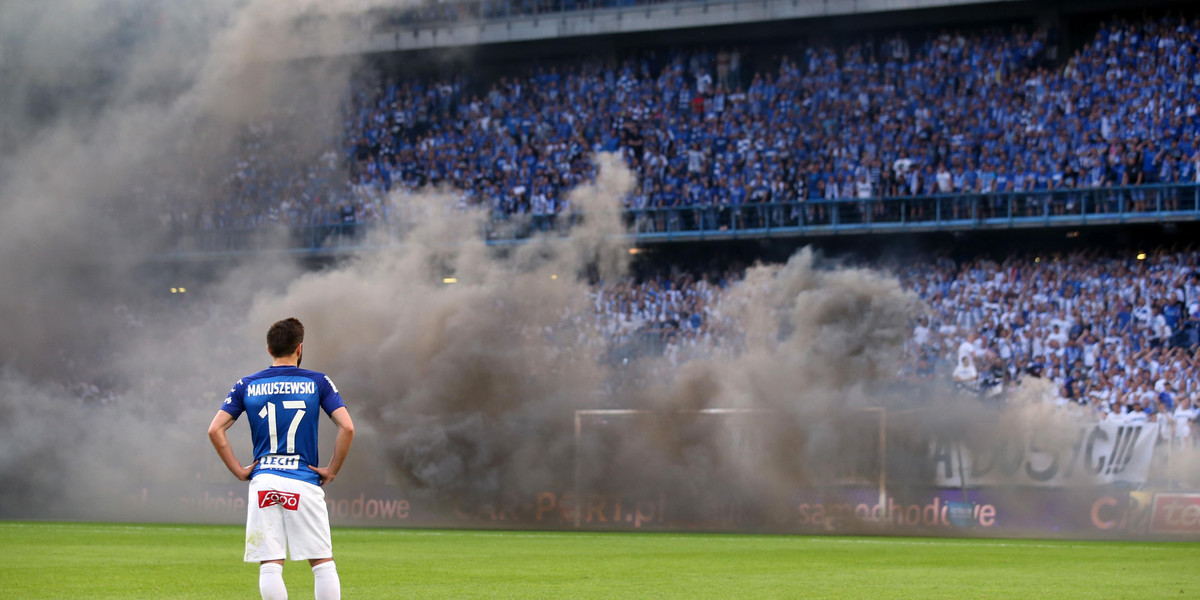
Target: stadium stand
{"type": "Point", "coordinates": [1116, 336]}
{"type": "Point", "coordinates": [964, 125]}
{"type": "Point", "coordinates": [973, 124]}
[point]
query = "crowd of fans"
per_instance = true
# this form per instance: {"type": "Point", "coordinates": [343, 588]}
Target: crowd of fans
{"type": "Point", "coordinates": [675, 315]}
{"type": "Point", "coordinates": [1116, 337]}
{"type": "Point", "coordinates": [1109, 338]}
{"type": "Point", "coordinates": [959, 112]}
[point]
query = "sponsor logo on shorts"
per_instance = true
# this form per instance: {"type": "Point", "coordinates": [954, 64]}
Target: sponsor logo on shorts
{"type": "Point", "coordinates": [284, 462]}
{"type": "Point", "coordinates": [287, 500]}
{"type": "Point", "coordinates": [1176, 513]}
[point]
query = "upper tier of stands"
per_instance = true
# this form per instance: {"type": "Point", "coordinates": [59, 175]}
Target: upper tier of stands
{"type": "Point", "coordinates": [957, 113]}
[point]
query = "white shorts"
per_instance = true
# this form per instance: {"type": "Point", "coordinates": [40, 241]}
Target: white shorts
{"type": "Point", "coordinates": [286, 518]}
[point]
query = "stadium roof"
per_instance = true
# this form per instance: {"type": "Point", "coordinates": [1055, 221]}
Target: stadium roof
{"type": "Point", "coordinates": [363, 38]}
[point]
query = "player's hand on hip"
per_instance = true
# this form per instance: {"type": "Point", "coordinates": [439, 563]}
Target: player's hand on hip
{"type": "Point", "coordinates": [325, 474]}
{"type": "Point", "coordinates": [243, 474]}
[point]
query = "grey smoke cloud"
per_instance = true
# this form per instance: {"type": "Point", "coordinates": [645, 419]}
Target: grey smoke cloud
{"type": "Point", "coordinates": [468, 391]}
{"type": "Point", "coordinates": [111, 110]}
{"type": "Point", "coordinates": [111, 113]}
{"type": "Point", "coordinates": [470, 383]}
{"type": "Point", "coordinates": [462, 392]}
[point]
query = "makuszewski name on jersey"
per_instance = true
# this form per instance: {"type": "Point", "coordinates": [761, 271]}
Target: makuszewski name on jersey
{"type": "Point", "coordinates": [283, 462]}
{"type": "Point", "coordinates": [281, 387]}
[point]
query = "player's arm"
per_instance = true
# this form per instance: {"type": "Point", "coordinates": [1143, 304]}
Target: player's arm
{"type": "Point", "coordinates": [341, 445]}
{"type": "Point", "coordinates": [216, 434]}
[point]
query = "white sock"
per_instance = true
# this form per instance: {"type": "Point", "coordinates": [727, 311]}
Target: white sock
{"type": "Point", "coordinates": [326, 584]}
{"type": "Point", "coordinates": [270, 581]}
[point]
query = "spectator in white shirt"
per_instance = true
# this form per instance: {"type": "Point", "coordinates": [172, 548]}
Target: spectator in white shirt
{"type": "Point", "coordinates": [965, 372]}
{"type": "Point", "coordinates": [1184, 421]}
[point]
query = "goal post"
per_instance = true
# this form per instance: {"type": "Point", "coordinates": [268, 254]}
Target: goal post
{"type": "Point", "coordinates": [583, 414]}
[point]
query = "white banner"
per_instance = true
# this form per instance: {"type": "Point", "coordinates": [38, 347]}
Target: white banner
{"type": "Point", "coordinates": [1099, 454]}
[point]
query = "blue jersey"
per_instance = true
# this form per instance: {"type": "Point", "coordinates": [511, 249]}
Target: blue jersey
{"type": "Point", "coordinates": [282, 403]}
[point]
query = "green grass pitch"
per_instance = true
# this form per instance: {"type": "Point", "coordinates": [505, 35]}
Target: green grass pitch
{"type": "Point", "coordinates": [93, 560]}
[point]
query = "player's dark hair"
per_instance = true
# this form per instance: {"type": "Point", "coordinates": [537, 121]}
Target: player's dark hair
{"type": "Point", "coordinates": [284, 337]}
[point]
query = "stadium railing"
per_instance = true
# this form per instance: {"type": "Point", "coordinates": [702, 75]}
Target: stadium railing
{"type": "Point", "coordinates": [1004, 210]}
{"type": "Point", "coordinates": [442, 13]}
{"type": "Point", "coordinates": [434, 13]}
{"type": "Point", "coordinates": [944, 212]}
